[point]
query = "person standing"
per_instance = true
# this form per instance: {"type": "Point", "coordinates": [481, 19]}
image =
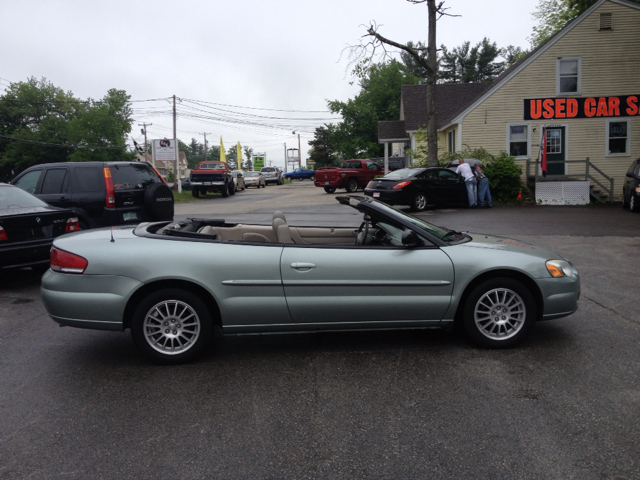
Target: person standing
{"type": "Point", "coordinates": [469, 181]}
{"type": "Point", "coordinates": [484, 195]}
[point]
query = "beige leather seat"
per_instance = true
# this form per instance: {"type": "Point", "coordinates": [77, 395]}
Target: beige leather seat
{"type": "Point", "coordinates": [209, 230]}
{"type": "Point", "coordinates": [284, 234]}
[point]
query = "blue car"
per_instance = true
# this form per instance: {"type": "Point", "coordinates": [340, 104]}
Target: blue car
{"type": "Point", "coordinates": [301, 174]}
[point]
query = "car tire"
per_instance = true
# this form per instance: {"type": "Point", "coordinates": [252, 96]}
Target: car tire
{"type": "Point", "coordinates": [419, 202]}
{"type": "Point", "coordinates": [195, 191]}
{"type": "Point", "coordinates": [352, 185]}
{"type": "Point", "coordinates": [225, 190]}
{"type": "Point", "coordinates": [232, 188]}
{"type": "Point", "coordinates": [634, 205]}
{"type": "Point", "coordinates": [499, 313]}
{"type": "Point", "coordinates": [158, 201]}
{"type": "Point", "coordinates": [312, 178]}
{"type": "Point", "coordinates": [330, 189]}
{"type": "Point", "coordinates": [171, 326]}
{"type": "Point", "coordinates": [625, 204]}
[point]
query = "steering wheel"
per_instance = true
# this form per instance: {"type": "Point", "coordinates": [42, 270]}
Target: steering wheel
{"type": "Point", "coordinates": [362, 234]}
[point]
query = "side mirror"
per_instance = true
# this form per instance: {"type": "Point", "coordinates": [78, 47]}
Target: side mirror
{"type": "Point", "coordinates": [630, 174]}
{"type": "Point", "coordinates": [410, 239]}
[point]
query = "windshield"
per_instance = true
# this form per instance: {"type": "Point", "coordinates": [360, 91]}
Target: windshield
{"type": "Point", "coordinates": [403, 173]}
{"type": "Point", "coordinates": [213, 166]}
{"type": "Point", "coordinates": [251, 174]}
{"type": "Point", "coordinates": [14, 197]}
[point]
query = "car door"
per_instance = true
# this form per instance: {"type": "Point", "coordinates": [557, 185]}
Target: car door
{"type": "Point", "coordinates": [88, 190]}
{"type": "Point", "coordinates": [29, 181]}
{"type": "Point", "coordinates": [356, 285]}
{"type": "Point", "coordinates": [453, 186]}
{"type": "Point", "coordinates": [54, 187]}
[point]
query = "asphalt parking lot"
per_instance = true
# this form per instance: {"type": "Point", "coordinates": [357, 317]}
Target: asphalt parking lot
{"type": "Point", "coordinates": [84, 404]}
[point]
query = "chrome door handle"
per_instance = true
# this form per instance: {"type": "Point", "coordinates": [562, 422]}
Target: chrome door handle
{"type": "Point", "coordinates": [302, 266]}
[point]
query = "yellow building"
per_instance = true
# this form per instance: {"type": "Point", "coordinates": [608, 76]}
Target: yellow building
{"type": "Point", "coordinates": [581, 87]}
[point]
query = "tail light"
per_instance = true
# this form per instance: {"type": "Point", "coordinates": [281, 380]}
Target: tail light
{"type": "Point", "coordinates": [66, 262]}
{"type": "Point", "coordinates": [110, 199]}
{"type": "Point", "coordinates": [72, 225]}
{"type": "Point", "coordinates": [400, 185]}
{"type": "Point", "coordinates": [3, 234]}
{"type": "Point", "coordinates": [369, 185]}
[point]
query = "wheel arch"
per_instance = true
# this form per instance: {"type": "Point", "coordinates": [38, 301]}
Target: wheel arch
{"type": "Point", "coordinates": [148, 288]}
{"type": "Point", "coordinates": [527, 281]}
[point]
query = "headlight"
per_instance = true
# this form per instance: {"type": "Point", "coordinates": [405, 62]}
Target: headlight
{"type": "Point", "coordinates": [559, 268]}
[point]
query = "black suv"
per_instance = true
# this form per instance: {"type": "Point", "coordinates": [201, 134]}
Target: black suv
{"type": "Point", "coordinates": [631, 187]}
{"type": "Point", "coordinates": [101, 193]}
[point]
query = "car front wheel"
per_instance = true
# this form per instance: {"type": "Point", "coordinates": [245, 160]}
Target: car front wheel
{"type": "Point", "coordinates": [419, 202]}
{"type": "Point", "coordinates": [633, 203]}
{"type": "Point", "coordinates": [171, 326]}
{"type": "Point", "coordinates": [499, 313]}
{"type": "Point", "coordinates": [312, 178]}
{"type": "Point", "coordinates": [330, 189]}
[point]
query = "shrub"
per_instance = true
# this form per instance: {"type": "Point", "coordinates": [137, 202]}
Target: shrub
{"type": "Point", "coordinates": [504, 177]}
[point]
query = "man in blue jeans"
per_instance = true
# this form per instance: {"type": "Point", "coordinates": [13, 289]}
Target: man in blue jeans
{"type": "Point", "coordinates": [484, 195]}
{"type": "Point", "coordinates": [469, 180]}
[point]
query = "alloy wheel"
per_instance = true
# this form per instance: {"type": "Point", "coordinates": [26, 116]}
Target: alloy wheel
{"type": "Point", "coordinates": [171, 327]}
{"type": "Point", "coordinates": [500, 314]}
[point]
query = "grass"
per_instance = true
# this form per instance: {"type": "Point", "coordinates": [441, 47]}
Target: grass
{"type": "Point", "coordinates": [186, 196]}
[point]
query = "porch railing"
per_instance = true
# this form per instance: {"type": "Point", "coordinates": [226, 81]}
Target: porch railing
{"type": "Point", "coordinates": [588, 175]}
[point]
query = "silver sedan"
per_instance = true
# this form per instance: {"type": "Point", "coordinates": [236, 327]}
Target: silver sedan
{"type": "Point", "coordinates": [395, 271]}
{"type": "Point", "coordinates": [255, 179]}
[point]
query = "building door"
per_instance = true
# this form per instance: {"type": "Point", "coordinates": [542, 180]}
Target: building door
{"type": "Point", "coordinates": [556, 148]}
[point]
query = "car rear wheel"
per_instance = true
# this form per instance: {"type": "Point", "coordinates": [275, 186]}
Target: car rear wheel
{"type": "Point", "coordinates": [195, 191]}
{"type": "Point", "coordinates": [352, 185]}
{"type": "Point", "coordinates": [499, 313]}
{"type": "Point", "coordinates": [419, 202]}
{"type": "Point", "coordinates": [171, 326]}
{"type": "Point", "coordinates": [312, 178]}
{"type": "Point", "coordinates": [330, 189]}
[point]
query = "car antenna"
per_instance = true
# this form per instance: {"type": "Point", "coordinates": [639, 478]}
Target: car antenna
{"type": "Point", "coordinates": [111, 230]}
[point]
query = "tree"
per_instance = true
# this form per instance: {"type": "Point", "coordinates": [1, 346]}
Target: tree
{"type": "Point", "coordinates": [248, 157]}
{"type": "Point", "coordinates": [512, 54]}
{"type": "Point", "coordinates": [376, 42]}
{"type": "Point", "coordinates": [412, 67]}
{"type": "Point", "coordinates": [464, 64]}
{"type": "Point", "coordinates": [322, 149]}
{"type": "Point", "coordinates": [356, 135]}
{"type": "Point", "coordinates": [40, 123]}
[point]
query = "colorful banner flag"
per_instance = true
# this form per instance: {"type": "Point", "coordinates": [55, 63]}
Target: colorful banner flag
{"type": "Point", "coordinates": [239, 156]}
{"type": "Point", "coordinates": [223, 156]}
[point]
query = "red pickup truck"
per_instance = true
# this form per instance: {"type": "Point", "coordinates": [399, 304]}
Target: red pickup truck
{"type": "Point", "coordinates": [212, 176]}
{"type": "Point", "coordinates": [354, 174]}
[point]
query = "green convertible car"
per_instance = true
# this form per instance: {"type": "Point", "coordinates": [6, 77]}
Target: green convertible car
{"type": "Point", "coordinates": [395, 271]}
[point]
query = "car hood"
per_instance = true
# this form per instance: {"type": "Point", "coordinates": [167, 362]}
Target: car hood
{"type": "Point", "coordinates": [505, 244]}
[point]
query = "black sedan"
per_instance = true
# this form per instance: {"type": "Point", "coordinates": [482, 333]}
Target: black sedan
{"type": "Point", "coordinates": [28, 227]}
{"type": "Point", "coordinates": [419, 188]}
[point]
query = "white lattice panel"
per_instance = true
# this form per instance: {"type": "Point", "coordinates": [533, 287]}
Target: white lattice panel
{"type": "Point", "coordinates": [562, 193]}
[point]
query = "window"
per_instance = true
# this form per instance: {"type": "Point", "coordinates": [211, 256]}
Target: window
{"type": "Point", "coordinates": [55, 181]}
{"type": "Point", "coordinates": [372, 166]}
{"type": "Point", "coordinates": [606, 21]}
{"type": "Point", "coordinates": [568, 75]}
{"type": "Point", "coordinates": [29, 181]}
{"type": "Point", "coordinates": [88, 179]}
{"type": "Point", "coordinates": [452, 140]}
{"type": "Point", "coordinates": [618, 138]}
{"type": "Point", "coordinates": [518, 140]}
{"type": "Point", "coordinates": [554, 141]}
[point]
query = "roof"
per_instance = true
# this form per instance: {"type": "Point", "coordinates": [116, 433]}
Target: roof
{"type": "Point", "coordinates": [392, 131]}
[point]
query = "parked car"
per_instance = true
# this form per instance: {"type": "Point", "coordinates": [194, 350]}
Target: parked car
{"type": "Point", "coordinates": [352, 175]}
{"type": "Point", "coordinates": [212, 176]}
{"type": "Point", "coordinates": [186, 184]}
{"type": "Point", "coordinates": [28, 227]}
{"type": "Point", "coordinates": [395, 163]}
{"type": "Point", "coordinates": [255, 179]}
{"type": "Point", "coordinates": [272, 175]}
{"type": "Point", "coordinates": [301, 174]}
{"type": "Point", "coordinates": [101, 193]}
{"type": "Point", "coordinates": [238, 180]}
{"type": "Point", "coordinates": [631, 187]}
{"type": "Point", "coordinates": [395, 271]}
{"type": "Point", "coordinates": [419, 188]}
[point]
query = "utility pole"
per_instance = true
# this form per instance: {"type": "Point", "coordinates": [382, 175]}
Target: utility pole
{"type": "Point", "coordinates": [205, 145]}
{"type": "Point", "coordinates": [286, 160]}
{"type": "Point", "coordinates": [299, 151]}
{"type": "Point", "coordinates": [144, 131]}
{"type": "Point", "coordinates": [177, 184]}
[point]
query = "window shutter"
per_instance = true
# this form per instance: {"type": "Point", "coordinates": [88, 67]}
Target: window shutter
{"type": "Point", "coordinates": [606, 21]}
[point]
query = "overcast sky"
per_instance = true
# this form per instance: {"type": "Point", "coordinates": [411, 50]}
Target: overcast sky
{"type": "Point", "coordinates": [266, 55]}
